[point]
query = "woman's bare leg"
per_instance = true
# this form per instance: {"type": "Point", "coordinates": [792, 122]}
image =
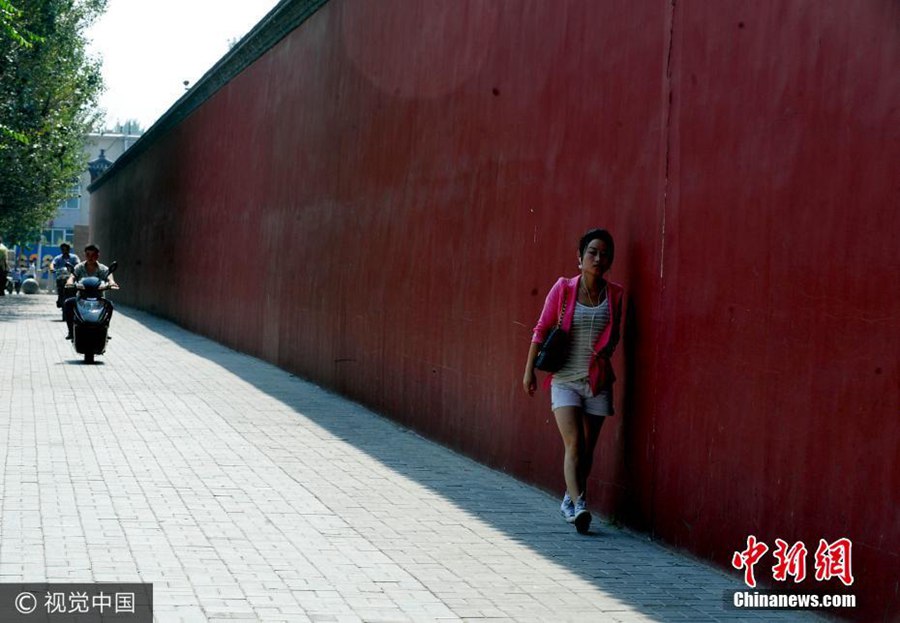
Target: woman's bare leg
{"type": "Point", "coordinates": [569, 422]}
{"type": "Point", "coordinates": [591, 425]}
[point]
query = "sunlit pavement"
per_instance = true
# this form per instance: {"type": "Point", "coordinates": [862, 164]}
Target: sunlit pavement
{"type": "Point", "coordinates": [244, 493]}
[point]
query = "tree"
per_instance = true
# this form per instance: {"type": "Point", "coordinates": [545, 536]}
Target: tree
{"type": "Point", "coordinates": [131, 126]}
{"type": "Point", "coordinates": [9, 24]}
{"type": "Point", "coordinates": [49, 88]}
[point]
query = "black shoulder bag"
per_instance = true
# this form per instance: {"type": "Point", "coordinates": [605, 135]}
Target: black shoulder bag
{"type": "Point", "coordinates": [555, 349]}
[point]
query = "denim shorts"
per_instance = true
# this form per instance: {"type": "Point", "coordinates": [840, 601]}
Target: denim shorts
{"type": "Point", "coordinates": [578, 394]}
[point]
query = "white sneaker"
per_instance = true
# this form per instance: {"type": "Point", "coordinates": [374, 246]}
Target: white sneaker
{"type": "Point", "coordinates": [581, 515]}
{"type": "Point", "coordinates": [567, 508]}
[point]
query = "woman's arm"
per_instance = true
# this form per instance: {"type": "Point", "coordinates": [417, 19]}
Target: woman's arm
{"type": "Point", "coordinates": [617, 325]}
{"type": "Point", "coordinates": [549, 315]}
{"type": "Point", "coordinates": [549, 318]}
{"type": "Point", "coordinates": [615, 334]}
{"type": "Point", "coordinates": [529, 381]}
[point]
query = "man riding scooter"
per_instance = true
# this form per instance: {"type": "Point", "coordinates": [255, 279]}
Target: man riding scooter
{"type": "Point", "coordinates": [90, 267]}
{"type": "Point", "coordinates": [58, 267]}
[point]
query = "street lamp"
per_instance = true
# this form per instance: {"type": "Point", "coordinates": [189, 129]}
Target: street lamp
{"type": "Point", "coordinates": [99, 166]}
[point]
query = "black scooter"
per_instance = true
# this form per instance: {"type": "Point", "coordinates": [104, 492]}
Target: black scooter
{"type": "Point", "coordinates": [92, 314]}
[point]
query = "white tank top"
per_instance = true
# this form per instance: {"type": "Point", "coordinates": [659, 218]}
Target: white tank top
{"type": "Point", "coordinates": [587, 325]}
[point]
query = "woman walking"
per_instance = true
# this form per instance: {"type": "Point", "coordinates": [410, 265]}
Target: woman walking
{"type": "Point", "coordinates": [589, 309]}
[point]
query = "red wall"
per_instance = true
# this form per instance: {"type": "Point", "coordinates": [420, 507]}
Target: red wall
{"type": "Point", "coordinates": [381, 201]}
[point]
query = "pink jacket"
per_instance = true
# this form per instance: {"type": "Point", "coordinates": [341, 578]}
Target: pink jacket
{"type": "Point", "coordinates": [600, 372]}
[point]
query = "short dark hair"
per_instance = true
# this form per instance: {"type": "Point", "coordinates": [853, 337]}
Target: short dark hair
{"type": "Point", "coordinates": [92, 247]}
{"type": "Point", "coordinates": [64, 244]}
{"type": "Point", "coordinates": [597, 234]}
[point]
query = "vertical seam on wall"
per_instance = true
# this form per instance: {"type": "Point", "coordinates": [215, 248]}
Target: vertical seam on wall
{"type": "Point", "coordinates": [667, 130]}
{"type": "Point", "coordinates": [668, 134]}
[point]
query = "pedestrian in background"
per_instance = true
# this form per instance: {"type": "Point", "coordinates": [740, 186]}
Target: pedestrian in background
{"type": "Point", "coordinates": [4, 267]}
{"type": "Point", "coordinates": [588, 308]}
{"type": "Point", "coordinates": [61, 272]}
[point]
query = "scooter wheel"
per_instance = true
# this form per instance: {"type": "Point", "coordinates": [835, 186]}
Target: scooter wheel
{"type": "Point", "coordinates": [89, 357]}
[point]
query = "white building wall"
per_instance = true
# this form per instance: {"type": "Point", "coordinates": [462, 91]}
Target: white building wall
{"type": "Point", "coordinates": [76, 211]}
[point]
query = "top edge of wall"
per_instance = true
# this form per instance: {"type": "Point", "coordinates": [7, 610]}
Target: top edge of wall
{"type": "Point", "coordinates": [275, 26]}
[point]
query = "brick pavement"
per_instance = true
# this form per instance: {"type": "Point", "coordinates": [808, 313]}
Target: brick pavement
{"type": "Point", "coordinates": [244, 493]}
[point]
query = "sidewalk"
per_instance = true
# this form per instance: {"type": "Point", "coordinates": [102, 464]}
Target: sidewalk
{"type": "Point", "coordinates": [244, 493]}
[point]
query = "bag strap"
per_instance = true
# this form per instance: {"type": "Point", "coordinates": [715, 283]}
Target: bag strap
{"type": "Point", "coordinates": [562, 312]}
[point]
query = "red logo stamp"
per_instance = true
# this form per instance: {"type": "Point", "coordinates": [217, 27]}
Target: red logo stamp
{"type": "Point", "coordinates": [832, 560]}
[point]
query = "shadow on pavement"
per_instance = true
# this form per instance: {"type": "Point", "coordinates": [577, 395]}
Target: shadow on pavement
{"type": "Point", "coordinates": [15, 307]}
{"type": "Point", "coordinates": [662, 585]}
